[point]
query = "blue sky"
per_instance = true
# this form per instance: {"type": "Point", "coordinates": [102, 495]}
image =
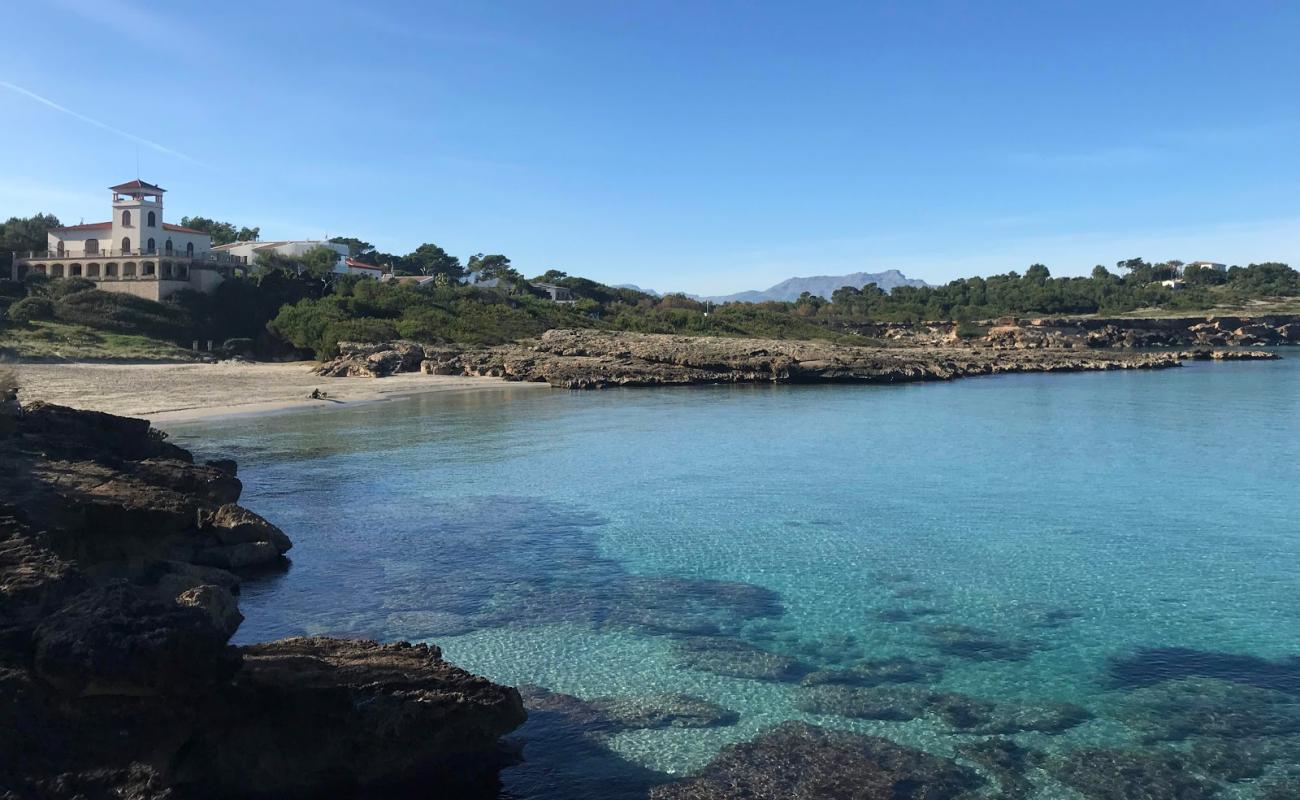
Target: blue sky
{"type": "Point", "coordinates": [705, 146]}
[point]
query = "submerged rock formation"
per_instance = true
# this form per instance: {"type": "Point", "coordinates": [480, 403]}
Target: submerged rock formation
{"type": "Point", "coordinates": [119, 565]}
{"type": "Point", "coordinates": [957, 712]}
{"type": "Point", "coordinates": [798, 761]}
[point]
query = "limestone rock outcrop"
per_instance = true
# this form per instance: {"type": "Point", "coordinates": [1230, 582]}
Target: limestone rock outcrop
{"type": "Point", "coordinates": [586, 358]}
{"type": "Point", "coordinates": [120, 562]}
{"type": "Point", "coordinates": [362, 360]}
{"type": "Point", "coordinates": [1271, 330]}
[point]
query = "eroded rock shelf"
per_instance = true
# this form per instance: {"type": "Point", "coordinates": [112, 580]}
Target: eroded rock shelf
{"type": "Point", "coordinates": [120, 563]}
{"type": "Point", "coordinates": [587, 359]}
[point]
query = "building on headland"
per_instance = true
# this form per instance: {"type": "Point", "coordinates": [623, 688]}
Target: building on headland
{"type": "Point", "coordinates": [546, 291]}
{"type": "Point", "coordinates": [409, 280]}
{"type": "Point", "coordinates": [556, 294]}
{"type": "Point", "coordinates": [353, 267]}
{"type": "Point", "coordinates": [1217, 267]}
{"type": "Point", "coordinates": [135, 252]}
{"type": "Point", "coordinates": [247, 252]}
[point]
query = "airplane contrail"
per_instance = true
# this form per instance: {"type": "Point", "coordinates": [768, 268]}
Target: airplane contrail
{"type": "Point", "coordinates": [102, 125]}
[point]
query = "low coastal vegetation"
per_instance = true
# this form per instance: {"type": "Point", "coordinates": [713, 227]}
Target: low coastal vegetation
{"type": "Point", "coordinates": [447, 311]}
{"type": "Point", "coordinates": [288, 307]}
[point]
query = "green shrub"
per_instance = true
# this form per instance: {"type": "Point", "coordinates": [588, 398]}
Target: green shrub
{"type": "Point", "coordinates": [66, 286]}
{"type": "Point", "coordinates": [124, 313]}
{"type": "Point", "coordinates": [36, 282]}
{"type": "Point", "coordinates": [31, 308]}
{"type": "Point", "coordinates": [359, 330]}
{"type": "Point", "coordinates": [12, 289]}
{"type": "Point", "coordinates": [305, 324]}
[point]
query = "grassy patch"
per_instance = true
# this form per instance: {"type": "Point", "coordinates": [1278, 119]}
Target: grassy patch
{"type": "Point", "coordinates": [65, 341]}
{"type": "Point", "coordinates": [1249, 308]}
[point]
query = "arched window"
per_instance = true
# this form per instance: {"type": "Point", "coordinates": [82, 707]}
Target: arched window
{"type": "Point", "coordinates": [151, 247]}
{"type": "Point", "coordinates": [92, 246]}
{"type": "Point", "coordinates": [126, 244]}
{"type": "Point", "coordinates": [153, 221]}
{"type": "Point", "coordinates": [126, 219]}
{"type": "Point", "coordinates": [167, 247]}
{"type": "Point", "coordinates": [59, 249]}
{"type": "Point", "coordinates": [189, 249]}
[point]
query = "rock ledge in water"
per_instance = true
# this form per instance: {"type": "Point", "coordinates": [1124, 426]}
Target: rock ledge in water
{"type": "Point", "coordinates": [118, 569]}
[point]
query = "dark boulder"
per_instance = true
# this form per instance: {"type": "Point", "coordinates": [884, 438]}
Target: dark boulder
{"type": "Point", "coordinates": [119, 640]}
{"type": "Point", "coordinates": [736, 659]}
{"type": "Point", "coordinates": [1100, 773]}
{"type": "Point", "coordinates": [311, 715]}
{"type": "Point", "coordinates": [797, 761]}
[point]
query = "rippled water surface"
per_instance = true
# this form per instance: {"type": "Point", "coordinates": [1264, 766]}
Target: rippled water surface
{"type": "Point", "coordinates": [1117, 541]}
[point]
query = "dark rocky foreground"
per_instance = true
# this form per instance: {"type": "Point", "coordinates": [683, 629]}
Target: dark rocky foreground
{"type": "Point", "coordinates": [119, 565]}
{"type": "Point", "coordinates": [584, 359]}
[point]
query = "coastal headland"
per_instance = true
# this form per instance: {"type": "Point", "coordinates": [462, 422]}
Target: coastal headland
{"type": "Point", "coordinates": [585, 359]}
{"type": "Point", "coordinates": [588, 358]}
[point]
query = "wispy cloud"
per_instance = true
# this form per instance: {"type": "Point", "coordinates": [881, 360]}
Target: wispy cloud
{"type": "Point", "coordinates": [45, 101]}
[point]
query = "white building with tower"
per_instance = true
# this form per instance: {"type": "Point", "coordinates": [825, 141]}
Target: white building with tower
{"type": "Point", "coordinates": [136, 252]}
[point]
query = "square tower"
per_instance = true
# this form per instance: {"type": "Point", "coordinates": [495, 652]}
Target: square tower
{"type": "Point", "coordinates": [137, 217]}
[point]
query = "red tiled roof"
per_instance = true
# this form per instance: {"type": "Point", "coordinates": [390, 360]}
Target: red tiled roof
{"type": "Point", "coordinates": [89, 226]}
{"type": "Point", "coordinates": [135, 184]}
{"type": "Point", "coordinates": [167, 226]}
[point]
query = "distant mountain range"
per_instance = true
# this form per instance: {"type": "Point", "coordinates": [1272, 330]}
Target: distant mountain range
{"type": "Point", "coordinates": [822, 285]}
{"type": "Point", "coordinates": [636, 288]}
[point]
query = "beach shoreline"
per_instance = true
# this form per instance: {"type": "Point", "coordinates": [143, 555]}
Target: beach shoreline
{"type": "Point", "coordinates": [178, 393]}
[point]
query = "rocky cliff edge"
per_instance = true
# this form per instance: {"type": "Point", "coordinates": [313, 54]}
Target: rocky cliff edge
{"type": "Point", "coordinates": [120, 564]}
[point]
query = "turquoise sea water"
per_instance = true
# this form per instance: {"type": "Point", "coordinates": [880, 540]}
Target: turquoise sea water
{"type": "Point", "coordinates": [1026, 539]}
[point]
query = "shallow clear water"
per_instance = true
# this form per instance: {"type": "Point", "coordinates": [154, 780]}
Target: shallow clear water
{"type": "Point", "coordinates": [574, 540]}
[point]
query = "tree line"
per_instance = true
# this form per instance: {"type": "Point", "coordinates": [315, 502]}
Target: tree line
{"type": "Point", "coordinates": [301, 303]}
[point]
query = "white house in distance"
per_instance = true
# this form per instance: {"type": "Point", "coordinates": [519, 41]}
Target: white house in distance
{"type": "Point", "coordinates": [247, 253]}
{"type": "Point", "coordinates": [1217, 267]}
{"type": "Point", "coordinates": [135, 252]}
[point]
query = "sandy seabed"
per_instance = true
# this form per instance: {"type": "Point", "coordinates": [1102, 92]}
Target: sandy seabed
{"type": "Point", "coordinates": [180, 392]}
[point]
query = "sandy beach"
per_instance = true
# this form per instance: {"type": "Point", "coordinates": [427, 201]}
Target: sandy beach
{"type": "Point", "coordinates": [181, 392]}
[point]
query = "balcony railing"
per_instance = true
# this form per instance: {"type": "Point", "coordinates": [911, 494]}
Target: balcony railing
{"type": "Point", "coordinates": [222, 259]}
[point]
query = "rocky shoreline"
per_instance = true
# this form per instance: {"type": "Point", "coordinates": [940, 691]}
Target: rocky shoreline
{"type": "Point", "coordinates": [586, 359]}
{"type": "Point", "coordinates": [1269, 330]}
{"type": "Point", "coordinates": [120, 562]}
